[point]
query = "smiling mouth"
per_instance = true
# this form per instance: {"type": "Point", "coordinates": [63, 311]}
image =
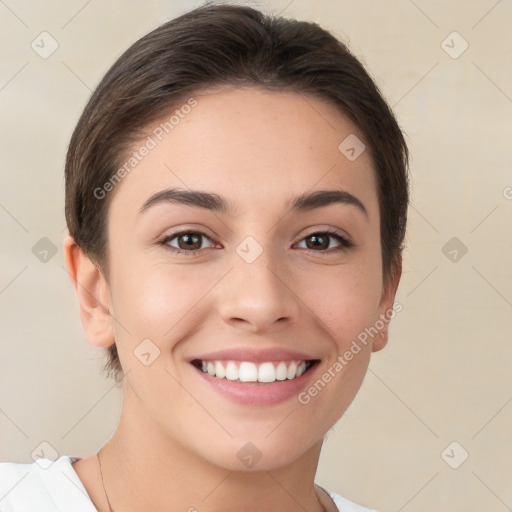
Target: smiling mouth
{"type": "Point", "coordinates": [247, 371]}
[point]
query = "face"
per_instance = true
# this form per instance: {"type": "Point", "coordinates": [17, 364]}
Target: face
{"type": "Point", "coordinates": [261, 289]}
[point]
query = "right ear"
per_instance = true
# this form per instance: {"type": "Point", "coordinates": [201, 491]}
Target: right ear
{"type": "Point", "coordinates": [93, 295]}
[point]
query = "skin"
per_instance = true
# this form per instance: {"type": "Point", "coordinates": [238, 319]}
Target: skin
{"type": "Point", "coordinates": [177, 440]}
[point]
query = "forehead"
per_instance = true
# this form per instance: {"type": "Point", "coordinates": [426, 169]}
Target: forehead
{"type": "Point", "coordinates": [251, 145]}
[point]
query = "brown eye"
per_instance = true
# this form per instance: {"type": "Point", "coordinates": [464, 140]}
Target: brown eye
{"type": "Point", "coordinates": [187, 241]}
{"type": "Point", "coordinates": [321, 241]}
{"type": "Point", "coordinates": [317, 242]}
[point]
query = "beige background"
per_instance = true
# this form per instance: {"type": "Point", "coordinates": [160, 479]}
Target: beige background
{"type": "Point", "coordinates": [446, 374]}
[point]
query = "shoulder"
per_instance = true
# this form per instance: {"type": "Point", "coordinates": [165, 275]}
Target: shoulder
{"type": "Point", "coordinates": [42, 486]}
{"type": "Point", "coordinates": [345, 505]}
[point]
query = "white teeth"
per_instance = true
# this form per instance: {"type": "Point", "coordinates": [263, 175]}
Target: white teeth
{"type": "Point", "coordinates": [247, 371]}
{"type": "Point", "coordinates": [292, 371]}
{"type": "Point", "coordinates": [266, 373]}
{"type": "Point", "coordinates": [301, 369]}
{"type": "Point", "coordinates": [231, 371]}
{"type": "Point", "coordinates": [219, 370]}
{"type": "Point", "coordinates": [281, 371]}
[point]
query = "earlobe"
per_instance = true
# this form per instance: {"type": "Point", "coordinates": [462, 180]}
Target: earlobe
{"type": "Point", "coordinates": [381, 340]}
{"type": "Point", "coordinates": [93, 295]}
{"type": "Point", "coordinates": [386, 307]}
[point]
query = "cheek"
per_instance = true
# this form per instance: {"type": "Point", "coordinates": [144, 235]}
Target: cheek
{"type": "Point", "coordinates": [346, 300]}
{"type": "Point", "coordinates": [157, 301]}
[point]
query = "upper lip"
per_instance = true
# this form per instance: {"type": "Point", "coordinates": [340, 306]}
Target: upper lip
{"type": "Point", "coordinates": [255, 355]}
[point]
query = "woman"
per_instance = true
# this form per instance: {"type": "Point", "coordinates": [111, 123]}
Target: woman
{"type": "Point", "coordinates": [236, 199]}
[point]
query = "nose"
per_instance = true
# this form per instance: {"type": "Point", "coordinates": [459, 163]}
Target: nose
{"type": "Point", "coordinates": [258, 296]}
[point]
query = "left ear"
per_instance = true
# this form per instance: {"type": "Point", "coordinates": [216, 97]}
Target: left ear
{"type": "Point", "coordinates": [386, 307]}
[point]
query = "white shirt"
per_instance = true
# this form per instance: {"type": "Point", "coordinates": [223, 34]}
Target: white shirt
{"type": "Point", "coordinates": [54, 486]}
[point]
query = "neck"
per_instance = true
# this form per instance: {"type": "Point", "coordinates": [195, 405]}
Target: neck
{"type": "Point", "coordinates": [144, 469]}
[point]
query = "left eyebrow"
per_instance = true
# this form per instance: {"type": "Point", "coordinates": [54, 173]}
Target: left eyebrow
{"type": "Point", "coordinates": [322, 198]}
{"type": "Point", "coordinates": [214, 202]}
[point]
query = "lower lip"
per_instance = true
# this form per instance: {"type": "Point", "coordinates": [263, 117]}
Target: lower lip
{"type": "Point", "coordinates": [257, 393]}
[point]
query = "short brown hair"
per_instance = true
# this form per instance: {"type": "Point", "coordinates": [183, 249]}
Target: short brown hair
{"type": "Point", "coordinates": [216, 45]}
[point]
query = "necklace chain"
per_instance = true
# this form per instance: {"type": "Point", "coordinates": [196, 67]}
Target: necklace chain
{"type": "Point", "coordinates": [103, 483]}
{"type": "Point", "coordinates": [105, 490]}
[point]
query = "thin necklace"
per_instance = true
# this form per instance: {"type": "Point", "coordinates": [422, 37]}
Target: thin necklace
{"type": "Point", "coordinates": [103, 483]}
{"type": "Point", "coordinates": [105, 490]}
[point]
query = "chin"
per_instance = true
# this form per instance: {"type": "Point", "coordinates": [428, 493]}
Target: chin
{"type": "Point", "coordinates": [257, 455]}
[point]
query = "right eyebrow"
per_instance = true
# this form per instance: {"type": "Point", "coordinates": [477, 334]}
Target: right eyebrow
{"type": "Point", "coordinates": [207, 200]}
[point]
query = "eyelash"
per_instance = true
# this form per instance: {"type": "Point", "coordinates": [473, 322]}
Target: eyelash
{"type": "Point", "coordinates": [344, 243]}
